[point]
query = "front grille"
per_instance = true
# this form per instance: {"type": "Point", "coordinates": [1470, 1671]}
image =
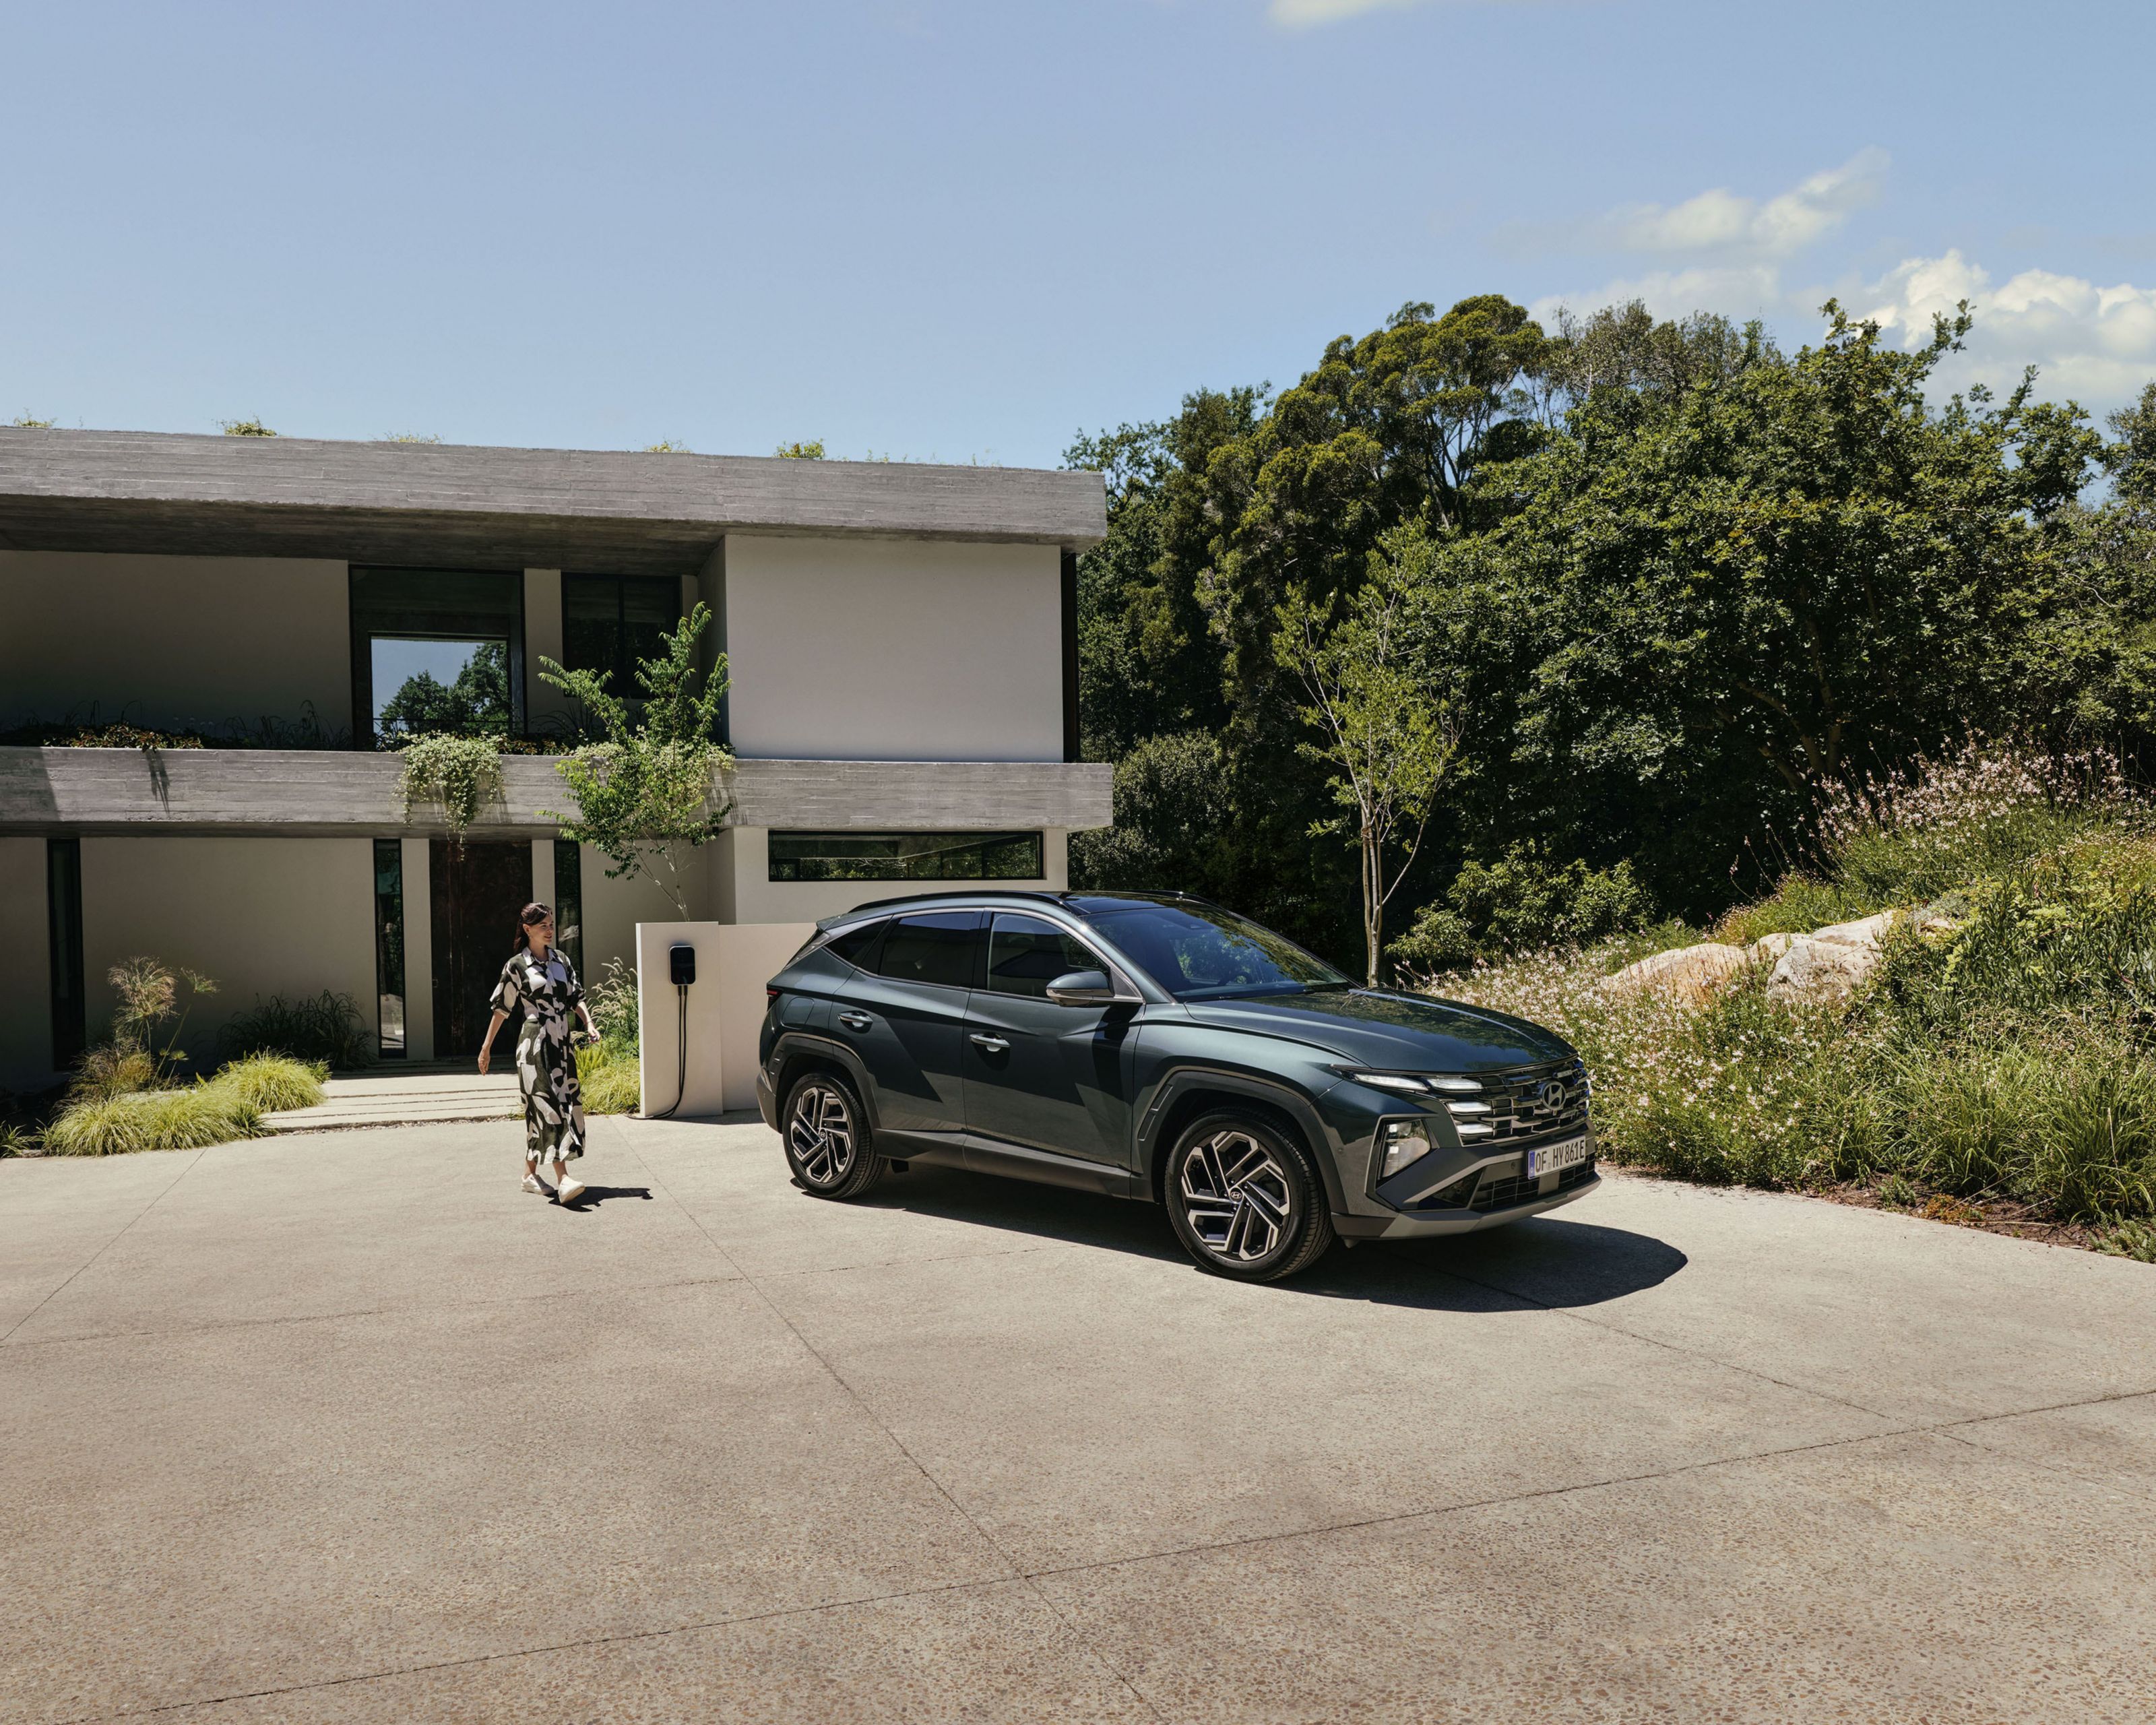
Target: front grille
{"type": "Point", "coordinates": [1522, 1105]}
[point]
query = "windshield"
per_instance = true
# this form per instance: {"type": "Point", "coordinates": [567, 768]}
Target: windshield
{"type": "Point", "coordinates": [1201, 953]}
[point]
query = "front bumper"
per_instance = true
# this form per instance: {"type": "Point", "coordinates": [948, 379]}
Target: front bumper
{"type": "Point", "coordinates": [1425, 1226]}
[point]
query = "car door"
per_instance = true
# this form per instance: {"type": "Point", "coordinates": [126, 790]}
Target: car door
{"type": "Point", "coordinates": [1039, 1075]}
{"type": "Point", "coordinates": [904, 1015]}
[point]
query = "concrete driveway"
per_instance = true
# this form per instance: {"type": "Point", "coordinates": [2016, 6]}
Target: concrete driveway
{"type": "Point", "coordinates": [348, 1428]}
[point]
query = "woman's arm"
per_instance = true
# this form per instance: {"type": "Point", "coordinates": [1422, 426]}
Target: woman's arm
{"type": "Point", "coordinates": [584, 1013]}
{"type": "Point", "coordinates": [486, 1047]}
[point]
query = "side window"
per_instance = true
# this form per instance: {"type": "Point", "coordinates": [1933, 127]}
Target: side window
{"type": "Point", "coordinates": [937, 948]}
{"type": "Point", "coordinates": [1027, 953]}
{"type": "Point", "coordinates": [855, 945]}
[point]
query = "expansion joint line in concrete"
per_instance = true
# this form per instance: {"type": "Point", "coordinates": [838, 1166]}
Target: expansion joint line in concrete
{"type": "Point", "coordinates": [1013, 1570]}
{"type": "Point", "coordinates": [1713, 1360]}
{"type": "Point", "coordinates": [107, 1247]}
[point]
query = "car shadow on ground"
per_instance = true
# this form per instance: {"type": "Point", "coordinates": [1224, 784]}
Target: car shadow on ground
{"type": "Point", "coordinates": [1544, 1261]}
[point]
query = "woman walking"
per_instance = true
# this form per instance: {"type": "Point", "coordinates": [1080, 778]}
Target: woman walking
{"type": "Point", "coordinates": [539, 979]}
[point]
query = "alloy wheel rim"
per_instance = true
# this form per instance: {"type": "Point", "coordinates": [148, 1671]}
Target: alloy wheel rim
{"type": "Point", "coordinates": [821, 1136]}
{"type": "Point", "coordinates": [1236, 1197]}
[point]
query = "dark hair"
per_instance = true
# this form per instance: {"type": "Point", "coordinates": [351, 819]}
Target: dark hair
{"type": "Point", "coordinates": [533, 912]}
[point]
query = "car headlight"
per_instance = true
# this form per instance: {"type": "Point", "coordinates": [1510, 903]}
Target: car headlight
{"type": "Point", "coordinates": [1406, 1141]}
{"type": "Point", "coordinates": [1416, 1084]}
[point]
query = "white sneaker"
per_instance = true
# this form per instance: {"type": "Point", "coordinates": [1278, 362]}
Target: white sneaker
{"type": "Point", "coordinates": [533, 1183]}
{"type": "Point", "coordinates": [570, 1192]}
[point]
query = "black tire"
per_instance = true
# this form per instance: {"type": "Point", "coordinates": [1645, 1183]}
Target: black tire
{"type": "Point", "coordinates": [1245, 1198]}
{"type": "Point", "coordinates": [825, 1130]}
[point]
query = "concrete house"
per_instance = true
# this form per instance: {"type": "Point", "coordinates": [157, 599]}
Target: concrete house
{"type": "Point", "coordinates": [903, 704]}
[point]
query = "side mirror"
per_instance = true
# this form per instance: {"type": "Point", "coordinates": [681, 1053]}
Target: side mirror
{"type": "Point", "coordinates": [1082, 988]}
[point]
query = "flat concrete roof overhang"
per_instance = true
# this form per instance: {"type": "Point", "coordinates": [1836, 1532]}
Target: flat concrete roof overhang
{"type": "Point", "coordinates": [340, 793]}
{"type": "Point", "coordinates": [441, 505]}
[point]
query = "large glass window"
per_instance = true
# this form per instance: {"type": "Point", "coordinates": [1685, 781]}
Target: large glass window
{"type": "Point", "coordinates": [569, 901]}
{"type": "Point", "coordinates": [437, 649]}
{"type": "Point", "coordinates": [937, 948]}
{"type": "Point", "coordinates": [64, 936]}
{"type": "Point", "coordinates": [610, 622]}
{"type": "Point", "coordinates": [1198, 952]}
{"type": "Point", "coordinates": [389, 945]}
{"type": "Point", "coordinates": [1027, 953]}
{"type": "Point", "coordinates": [905, 856]}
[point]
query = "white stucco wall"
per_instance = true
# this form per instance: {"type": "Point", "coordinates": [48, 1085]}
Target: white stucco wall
{"type": "Point", "coordinates": [742, 890]}
{"type": "Point", "coordinates": [174, 641]}
{"type": "Point", "coordinates": [613, 908]}
{"type": "Point", "coordinates": [894, 649]}
{"type": "Point", "coordinates": [259, 917]}
{"type": "Point", "coordinates": [25, 1031]}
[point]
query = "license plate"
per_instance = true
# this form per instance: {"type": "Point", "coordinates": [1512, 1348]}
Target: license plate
{"type": "Point", "coordinates": [1549, 1158]}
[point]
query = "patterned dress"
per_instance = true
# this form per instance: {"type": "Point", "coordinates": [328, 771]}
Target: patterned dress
{"type": "Point", "coordinates": [546, 1057]}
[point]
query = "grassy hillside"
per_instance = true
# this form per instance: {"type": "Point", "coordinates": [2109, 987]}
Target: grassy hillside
{"type": "Point", "coordinates": [1999, 1063]}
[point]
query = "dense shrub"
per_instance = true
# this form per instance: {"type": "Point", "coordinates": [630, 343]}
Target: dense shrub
{"type": "Point", "coordinates": [327, 1027]}
{"type": "Point", "coordinates": [1520, 903]}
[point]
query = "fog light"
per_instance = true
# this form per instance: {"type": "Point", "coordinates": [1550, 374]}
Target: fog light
{"type": "Point", "coordinates": [1406, 1141]}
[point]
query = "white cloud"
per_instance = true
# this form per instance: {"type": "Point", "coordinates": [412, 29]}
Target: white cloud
{"type": "Point", "coordinates": [2098, 344]}
{"type": "Point", "coordinates": [1731, 254]}
{"type": "Point", "coordinates": [1721, 221]}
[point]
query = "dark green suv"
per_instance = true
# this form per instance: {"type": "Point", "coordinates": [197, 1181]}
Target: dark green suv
{"type": "Point", "coordinates": [1161, 1048]}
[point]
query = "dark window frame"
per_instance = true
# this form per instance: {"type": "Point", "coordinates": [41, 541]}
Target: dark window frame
{"type": "Point", "coordinates": [569, 902]}
{"type": "Point", "coordinates": [951, 846]}
{"type": "Point", "coordinates": [622, 682]}
{"type": "Point", "coordinates": [71, 1013]}
{"type": "Point", "coordinates": [366, 620]}
{"type": "Point", "coordinates": [392, 953]}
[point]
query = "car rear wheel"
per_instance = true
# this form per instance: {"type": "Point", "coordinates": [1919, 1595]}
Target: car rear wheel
{"type": "Point", "coordinates": [1244, 1198]}
{"type": "Point", "coordinates": [826, 1133]}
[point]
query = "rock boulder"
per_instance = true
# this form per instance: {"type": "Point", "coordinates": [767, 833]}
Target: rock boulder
{"type": "Point", "coordinates": [1690, 974]}
{"type": "Point", "coordinates": [1820, 971]}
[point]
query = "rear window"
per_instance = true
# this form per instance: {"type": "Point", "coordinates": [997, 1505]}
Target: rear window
{"type": "Point", "coordinates": [856, 945]}
{"type": "Point", "coordinates": [935, 948]}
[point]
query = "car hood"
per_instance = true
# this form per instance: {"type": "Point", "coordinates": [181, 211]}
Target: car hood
{"type": "Point", "coordinates": [1409, 1033]}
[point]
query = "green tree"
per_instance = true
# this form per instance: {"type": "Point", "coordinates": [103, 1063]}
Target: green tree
{"type": "Point", "coordinates": [1385, 737]}
{"type": "Point", "coordinates": [811, 450]}
{"type": "Point", "coordinates": [650, 790]}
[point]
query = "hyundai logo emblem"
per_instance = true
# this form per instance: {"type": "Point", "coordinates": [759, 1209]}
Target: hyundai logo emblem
{"type": "Point", "coordinates": [1551, 1096]}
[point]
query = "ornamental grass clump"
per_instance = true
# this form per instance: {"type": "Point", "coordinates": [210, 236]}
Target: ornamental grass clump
{"type": "Point", "coordinates": [210, 1110]}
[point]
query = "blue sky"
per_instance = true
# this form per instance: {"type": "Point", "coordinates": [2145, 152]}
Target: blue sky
{"type": "Point", "coordinates": [962, 231]}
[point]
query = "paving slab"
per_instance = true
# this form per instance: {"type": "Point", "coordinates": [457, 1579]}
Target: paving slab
{"type": "Point", "coordinates": [987, 1655]}
{"type": "Point", "coordinates": [1087, 1403]}
{"type": "Point", "coordinates": [274, 1229]}
{"type": "Point", "coordinates": [57, 1214]}
{"type": "Point", "coordinates": [1888, 1580]}
{"type": "Point", "coordinates": [231, 1511]}
{"type": "Point", "coordinates": [1913, 1318]}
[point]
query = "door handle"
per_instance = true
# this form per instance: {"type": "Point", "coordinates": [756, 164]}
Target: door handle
{"type": "Point", "coordinates": [855, 1020]}
{"type": "Point", "coordinates": [989, 1044]}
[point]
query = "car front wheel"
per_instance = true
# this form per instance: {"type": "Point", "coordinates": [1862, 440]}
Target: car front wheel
{"type": "Point", "coordinates": [827, 1137]}
{"type": "Point", "coordinates": [1244, 1198]}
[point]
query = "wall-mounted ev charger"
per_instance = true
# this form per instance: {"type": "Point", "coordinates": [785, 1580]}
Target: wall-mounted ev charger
{"type": "Point", "coordinates": [681, 972]}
